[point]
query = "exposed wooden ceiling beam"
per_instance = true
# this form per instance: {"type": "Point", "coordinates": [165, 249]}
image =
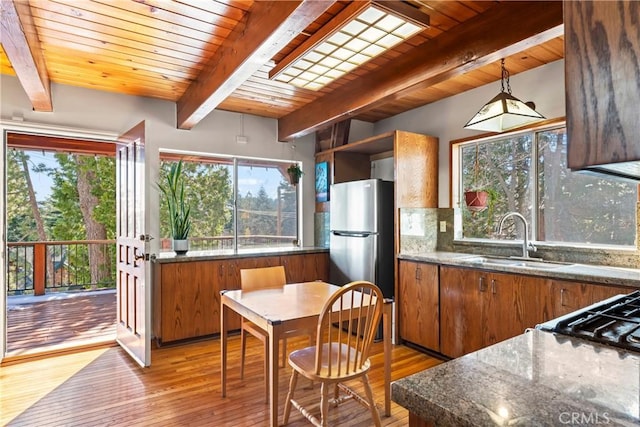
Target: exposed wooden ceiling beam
{"type": "Point", "coordinates": [406, 11]}
{"type": "Point", "coordinates": [20, 42]}
{"type": "Point", "coordinates": [270, 26]}
{"type": "Point", "coordinates": [503, 30]}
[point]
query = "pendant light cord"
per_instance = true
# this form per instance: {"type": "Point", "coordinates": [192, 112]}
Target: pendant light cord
{"type": "Point", "coordinates": [505, 77]}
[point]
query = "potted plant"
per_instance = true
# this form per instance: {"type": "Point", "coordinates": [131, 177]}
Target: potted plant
{"type": "Point", "coordinates": [178, 209]}
{"type": "Point", "coordinates": [476, 200]}
{"type": "Point", "coordinates": [477, 195]}
{"type": "Point", "coordinates": [295, 173]}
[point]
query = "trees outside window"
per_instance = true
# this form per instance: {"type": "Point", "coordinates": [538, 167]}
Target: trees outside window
{"type": "Point", "coordinates": [266, 204]}
{"type": "Point", "coordinates": [527, 173]}
{"type": "Point", "coordinates": [54, 196]}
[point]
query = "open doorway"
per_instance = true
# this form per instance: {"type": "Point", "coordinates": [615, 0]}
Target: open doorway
{"type": "Point", "coordinates": [60, 250]}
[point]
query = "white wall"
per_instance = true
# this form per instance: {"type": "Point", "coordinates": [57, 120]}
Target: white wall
{"type": "Point", "coordinates": [89, 109]}
{"type": "Point", "coordinates": [445, 119]}
{"type": "Point", "coordinates": [114, 113]}
{"type": "Point", "coordinates": [359, 130]}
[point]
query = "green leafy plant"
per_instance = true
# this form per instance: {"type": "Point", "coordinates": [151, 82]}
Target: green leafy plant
{"type": "Point", "coordinates": [295, 173]}
{"type": "Point", "coordinates": [179, 210]}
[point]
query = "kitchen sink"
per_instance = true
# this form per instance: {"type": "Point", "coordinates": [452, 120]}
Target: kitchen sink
{"type": "Point", "coordinates": [514, 262]}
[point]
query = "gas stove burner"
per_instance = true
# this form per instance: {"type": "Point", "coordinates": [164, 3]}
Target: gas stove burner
{"type": "Point", "coordinates": [615, 321]}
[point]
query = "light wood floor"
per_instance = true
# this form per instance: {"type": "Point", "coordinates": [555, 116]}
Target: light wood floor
{"type": "Point", "coordinates": [182, 388]}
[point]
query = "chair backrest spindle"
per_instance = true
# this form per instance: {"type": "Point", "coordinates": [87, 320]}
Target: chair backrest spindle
{"type": "Point", "coordinates": [356, 310]}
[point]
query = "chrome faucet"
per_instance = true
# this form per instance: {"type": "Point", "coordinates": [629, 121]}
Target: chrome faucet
{"type": "Point", "coordinates": [526, 244]}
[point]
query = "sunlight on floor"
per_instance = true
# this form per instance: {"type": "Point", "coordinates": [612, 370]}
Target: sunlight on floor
{"type": "Point", "coordinates": [58, 370]}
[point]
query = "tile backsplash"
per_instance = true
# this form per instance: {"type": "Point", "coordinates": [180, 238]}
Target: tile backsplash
{"type": "Point", "coordinates": [321, 229]}
{"type": "Point", "coordinates": [426, 230]}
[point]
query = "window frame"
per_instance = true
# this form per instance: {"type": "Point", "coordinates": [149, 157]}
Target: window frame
{"type": "Point", "coordinates": [234, 161]}
{"type": "Point", "coordinates": [456, 190]}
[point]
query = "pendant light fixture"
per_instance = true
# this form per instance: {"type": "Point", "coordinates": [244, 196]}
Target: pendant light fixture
{"type": "Point", "coordinates": [505, 111]}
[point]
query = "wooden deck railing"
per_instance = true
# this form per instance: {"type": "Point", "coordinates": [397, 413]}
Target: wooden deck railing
{"type": "Point", "coordinates": [38, 267]}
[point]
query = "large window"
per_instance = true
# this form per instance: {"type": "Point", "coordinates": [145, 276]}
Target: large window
{"type": "Point", "coordinates": [259, 210]}
{"type": "Point", "coordinates": [527, 173]}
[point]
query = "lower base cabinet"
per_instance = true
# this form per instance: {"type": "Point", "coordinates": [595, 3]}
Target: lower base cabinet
{"type": "Point", "coordinates": [306, 267]}
{"type": "Point", "coordinates": [479, 308]}
{"type": "Point", "coordinates": [186, 294]}
{"type": "Point", "coordinates": [418, 299]}
{"type": "Point", "coordinates": [565, 296]}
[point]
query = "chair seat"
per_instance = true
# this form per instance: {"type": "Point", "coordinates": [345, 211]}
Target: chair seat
{"type": "Point", "coordinates": [304, 361]}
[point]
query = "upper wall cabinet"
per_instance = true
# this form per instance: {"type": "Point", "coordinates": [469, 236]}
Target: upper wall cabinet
{"type": "Point", "coordinates": [415, 160]}
{"type": "Point", "coordinates": [602, 78]}
{"type": "Point", "coordinates": [416, 170]}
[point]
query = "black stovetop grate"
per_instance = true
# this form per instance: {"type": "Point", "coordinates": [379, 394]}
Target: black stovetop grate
{"type": "Point", "coordinates": [616, 322]}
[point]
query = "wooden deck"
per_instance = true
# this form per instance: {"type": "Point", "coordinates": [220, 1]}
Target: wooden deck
{"type": "Point", "coordinates": [182, 387]}
{"type": "Point", "coordinates": [50, 323]}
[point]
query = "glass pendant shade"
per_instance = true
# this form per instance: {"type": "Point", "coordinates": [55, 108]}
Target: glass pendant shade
{"type": "Point", "coordinates": [504, 111]}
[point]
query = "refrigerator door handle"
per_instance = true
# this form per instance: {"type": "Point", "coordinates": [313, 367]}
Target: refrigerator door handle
{"type": "Point", "coordinates": [351, 234]}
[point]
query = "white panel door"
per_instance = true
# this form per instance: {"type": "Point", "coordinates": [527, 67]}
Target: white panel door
{"type": "Point", "coordinates": [133, 284]}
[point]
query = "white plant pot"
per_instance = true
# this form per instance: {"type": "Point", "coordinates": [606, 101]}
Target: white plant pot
{"type": "Point", "coordinates": [180, 247]}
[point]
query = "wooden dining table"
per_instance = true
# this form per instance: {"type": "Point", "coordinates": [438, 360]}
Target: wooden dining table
{"type": "Point", "coordinates": [292, 307]}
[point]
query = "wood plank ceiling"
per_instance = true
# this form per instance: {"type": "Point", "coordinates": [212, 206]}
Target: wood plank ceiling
{"type": "Point", "coordinates": [218, 54]}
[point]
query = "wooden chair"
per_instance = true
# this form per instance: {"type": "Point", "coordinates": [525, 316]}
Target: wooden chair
{"type": "Point", "coordinates": [339, 355]}
{"type": "Point", "coordinates": [252, 279]}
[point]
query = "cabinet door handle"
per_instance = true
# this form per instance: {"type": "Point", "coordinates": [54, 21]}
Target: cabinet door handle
{"type": "Point", "coordinates": [483, 286]}
{"type": "Point", "coordinates": [562, 297]}
{"type": "Point", "coordinates": [418, 273]}
{"type": "Point", "coordinates": [493, 286]}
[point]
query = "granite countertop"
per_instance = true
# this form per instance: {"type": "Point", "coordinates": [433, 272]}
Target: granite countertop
{"type": "Point", "coordinates": [580, 272]}
{"type": "Point", "coordinates": [535, 379]}
{"type": "Point", "coordinates": [169, 257]}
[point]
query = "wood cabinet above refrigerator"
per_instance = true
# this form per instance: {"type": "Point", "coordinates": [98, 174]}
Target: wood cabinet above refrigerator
{"type": "Point", "coordinates": [415, 161]}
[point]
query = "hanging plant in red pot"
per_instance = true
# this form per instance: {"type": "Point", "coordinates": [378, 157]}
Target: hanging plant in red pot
{"type": "Point", "coordinates": [476, 200]}
{"type": "Point", "coordinates": [476, 197]}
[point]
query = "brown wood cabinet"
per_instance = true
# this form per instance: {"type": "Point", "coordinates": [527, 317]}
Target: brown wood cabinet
{"type": "Point", "coordinates": [306, 267]}
{"type": "Point", "coordinates": [418, 304]}
{"type": "Point", "coordinates": [416, 170]}
{"type": "Point", "coordinates": [186, 294]}
{"type": "Point", "coordinates": [480, 308]}
{"type": "Point", "coordinates": [566, 296]}
{"type": "Point", "coordinates": [461, 299]}
{"type": "Point", "coordinates": [602, 59]}
{"type": "Point", "coordinates": [186, 302]}
{"type": "Point", "coordinates": [415, 159]}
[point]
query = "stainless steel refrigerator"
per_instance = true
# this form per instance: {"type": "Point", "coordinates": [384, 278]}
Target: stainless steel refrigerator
{"type": "Point", "coordinates": [361, 233]}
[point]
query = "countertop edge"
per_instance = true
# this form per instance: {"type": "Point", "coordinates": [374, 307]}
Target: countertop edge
{"type": "Point", "coordinates": [192, 256]}
{"type": "Point", "coordinates": [427, 411]}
